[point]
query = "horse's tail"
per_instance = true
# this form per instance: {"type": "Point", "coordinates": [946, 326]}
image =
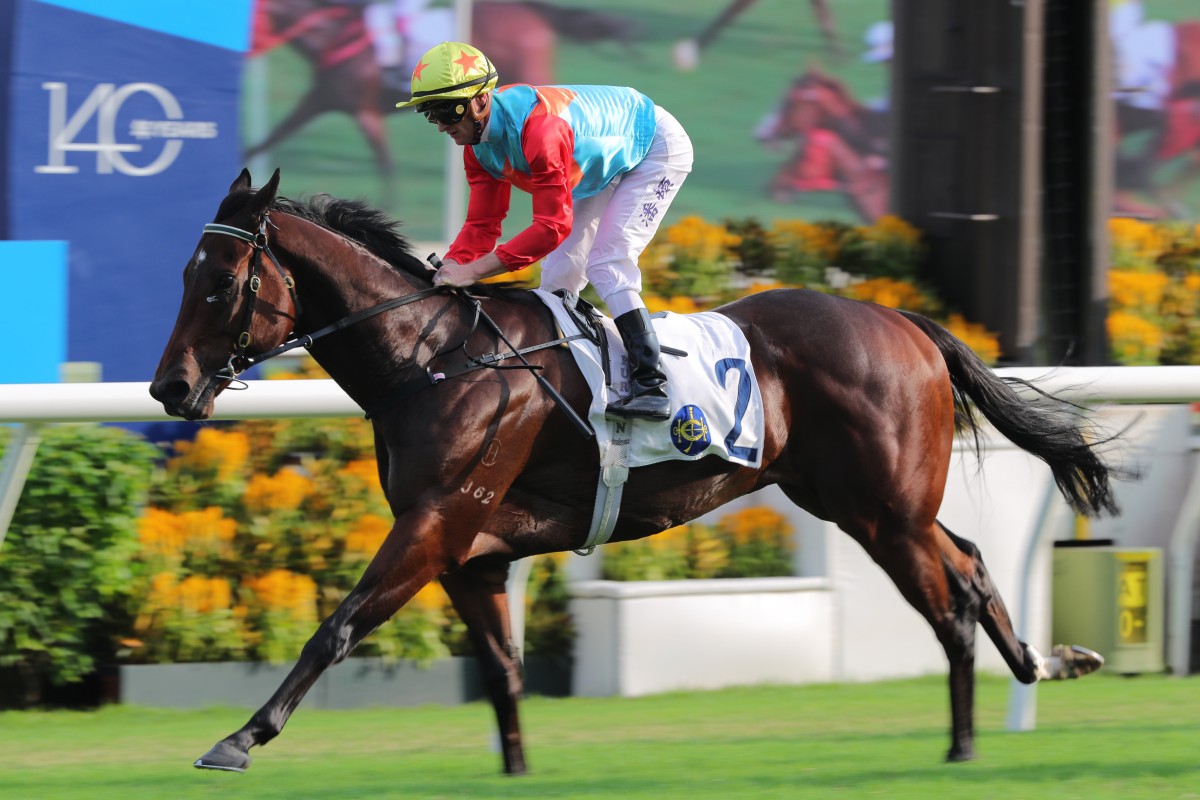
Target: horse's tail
{"type": "Point", "coordinates": [584, 24]}
{"type": "Point", "coordinates": [1046, 426]}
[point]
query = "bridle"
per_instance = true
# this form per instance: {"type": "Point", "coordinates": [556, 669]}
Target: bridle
{"type": "Point", "coordinates": [241, 361]}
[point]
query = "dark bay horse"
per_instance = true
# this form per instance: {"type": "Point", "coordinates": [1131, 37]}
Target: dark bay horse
{"type": "Point", "coordinates": [861, 406]}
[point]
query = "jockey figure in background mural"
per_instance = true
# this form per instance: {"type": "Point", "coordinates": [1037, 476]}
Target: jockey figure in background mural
{"type": "Point", "coordinates": [841, 143]}
{"type": "Point", "coordinates": [602, 164]}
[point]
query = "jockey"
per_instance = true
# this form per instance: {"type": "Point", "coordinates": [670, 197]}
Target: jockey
{"type": "Point", "coordinates": [602, 164]}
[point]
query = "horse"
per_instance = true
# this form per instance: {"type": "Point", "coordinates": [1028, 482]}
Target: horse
{"type": "Point", "coordinates": [686, 52]}
{"type": "Point", "coordinates": [861, 405]}
{"type": "Point", "coordinates": [841, 144]}
{"type": "Point", "coordinates": [333, 38]}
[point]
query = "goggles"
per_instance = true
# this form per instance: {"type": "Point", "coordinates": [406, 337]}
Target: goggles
{"type": "Point", "coordinates": [446, 112]}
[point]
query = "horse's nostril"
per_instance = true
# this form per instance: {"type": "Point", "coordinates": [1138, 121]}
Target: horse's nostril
{"type": "Point", "coordinates": [167, 392]}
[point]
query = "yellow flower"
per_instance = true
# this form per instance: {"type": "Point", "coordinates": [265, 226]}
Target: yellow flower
{"type": "Point", "coordinates": [1130, 289]}
{"type": "Point", "coordinates": [756, 522]}
{"type": "Point", "coordinates": [1135, 341]}
{"type": "Point", "coordinates": [164, 591]}
{"type": "Point", "coordinates": [282, 590]}
{"type": "Point", "coordinates": [892, 228]}
{"type": "Point", "coordinates": [363, 469]}
{"type": "Point", "coordinates": [888, 292]}
{"type": "Point", "coordinates": [1136, 244]}
{"type": "Point", "coordinates": [794, 234]}
{"type": "Point", "coordinates": [367, 534]}
{"type": "Point", "coordinates": [761, 285]}
{"type": "Point", "coordinates": [985, 344]}
{"type": "Point", "coordinates": [213, 449]}
{"type": "Point", "coordinates": [284, 491]}
{"type": "Point", "coordinates": [200, 595]}
{"type": "Point", "coordinates": [701, 240]}
{"type": "Point", "coordinates": [160, 533]}
{"type": "Point", "coordinates": [208, 529]}
{"type": "Point", "coordinates": [431, 597]}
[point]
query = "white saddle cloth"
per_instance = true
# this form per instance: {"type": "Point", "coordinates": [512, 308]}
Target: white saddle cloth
{"type": "Point", "coordinates": [716, 408]}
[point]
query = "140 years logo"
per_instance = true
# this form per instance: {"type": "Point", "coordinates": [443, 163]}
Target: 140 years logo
{"type": "Point", "coordinates": [104, 105]}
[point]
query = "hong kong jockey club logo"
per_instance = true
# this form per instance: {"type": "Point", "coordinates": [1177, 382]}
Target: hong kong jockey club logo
{"type": "Point", "coordinates": [104, 104]}
{"type": "Point", "coordinates": [689, 431]}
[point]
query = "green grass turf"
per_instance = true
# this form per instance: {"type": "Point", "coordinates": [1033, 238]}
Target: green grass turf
{"type": "Point", "coordinates": [1102, 737]}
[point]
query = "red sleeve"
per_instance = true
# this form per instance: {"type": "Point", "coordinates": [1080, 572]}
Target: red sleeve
{"type": "Point", "coordinates": [548, 143]}
{"type": "Point", "coordinates": [486, 209]}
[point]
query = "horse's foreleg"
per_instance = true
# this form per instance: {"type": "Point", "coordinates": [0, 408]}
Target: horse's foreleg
{"type": "Point", "coordinates": [480, 596]}
{"type": "Point", "coordinates": [409, 558]}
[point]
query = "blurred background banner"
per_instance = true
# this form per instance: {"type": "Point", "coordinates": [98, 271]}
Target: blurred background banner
{"type": "Point", "coordinates": [786, 102]}
{"type": "Point", "coordinates": [123, 121]}
{"type": "Point", "coordinates": [121, 129]}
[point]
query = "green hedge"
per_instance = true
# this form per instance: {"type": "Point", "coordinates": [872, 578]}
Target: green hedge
{"type": "Point", "coordinates": [66, 566]}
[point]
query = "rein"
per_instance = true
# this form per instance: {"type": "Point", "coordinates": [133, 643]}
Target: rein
{"type": "Point", "coordinates": [240, 361]}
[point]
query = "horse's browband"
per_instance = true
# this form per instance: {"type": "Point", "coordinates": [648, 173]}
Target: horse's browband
{"type": "Point", "coordinates": [229, 230]}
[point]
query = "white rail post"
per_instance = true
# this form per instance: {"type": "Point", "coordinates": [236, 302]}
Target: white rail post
{"type": "Point", "coordinates": [1022, 702]}
{"type": "Point", "coordinates": [1182, 554]}
{"type": "Point", "coordinates": [18, 458]}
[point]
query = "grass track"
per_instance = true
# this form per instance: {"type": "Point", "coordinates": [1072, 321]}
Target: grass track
{"type": "Point", "coordinates": [1104, 737]}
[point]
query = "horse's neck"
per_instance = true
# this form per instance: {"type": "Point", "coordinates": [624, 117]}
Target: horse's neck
{"type": "Point", "coordinates": [336, 278]}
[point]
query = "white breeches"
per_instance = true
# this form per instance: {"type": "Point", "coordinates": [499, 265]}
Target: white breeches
{"type": "Point", "coordinates": [613, 227]}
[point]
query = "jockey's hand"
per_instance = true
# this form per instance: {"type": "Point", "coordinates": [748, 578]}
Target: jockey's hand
{"type": "Point", "coordinates": [454, 274]}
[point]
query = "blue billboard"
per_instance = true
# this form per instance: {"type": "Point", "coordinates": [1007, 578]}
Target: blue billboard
{"type": "Point", "coordinates": [121, 135]}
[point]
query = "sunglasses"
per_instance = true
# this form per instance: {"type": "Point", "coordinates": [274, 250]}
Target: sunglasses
{"type": "Point", "coordinates": [450, 112]}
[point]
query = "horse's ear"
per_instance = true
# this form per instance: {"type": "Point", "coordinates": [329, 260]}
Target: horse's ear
{"type": "Point", "coordinates": [242, 182]}
{"type": "Point", "coordinates": [264, 197]}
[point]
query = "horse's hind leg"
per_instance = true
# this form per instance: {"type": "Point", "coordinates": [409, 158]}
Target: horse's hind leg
{"type": "Point", "coordinates": [1026, 663]}
{"type": "Point", "coordinates": [936, 579]}
{"type": "Point", "coordinates": [480, 596]}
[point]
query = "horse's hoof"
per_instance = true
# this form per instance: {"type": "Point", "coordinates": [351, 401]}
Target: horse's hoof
{"type": "Point", "coordinates": [1072, 661]}
{"type": "Point", "coordinates": [224, 756]}
{"type": "Point", "coordinates": [960, 754]}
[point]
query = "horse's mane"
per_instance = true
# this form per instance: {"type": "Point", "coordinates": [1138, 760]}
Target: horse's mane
{"type": "Point", "coordinates": [356, 220]}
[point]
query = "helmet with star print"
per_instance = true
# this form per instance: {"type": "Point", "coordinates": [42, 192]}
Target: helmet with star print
{"type": "Point", "coordinates": [447, 72]}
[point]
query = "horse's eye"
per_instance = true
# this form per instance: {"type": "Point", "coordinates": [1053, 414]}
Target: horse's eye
{"type": "Point", "coordinates": [224, 287]}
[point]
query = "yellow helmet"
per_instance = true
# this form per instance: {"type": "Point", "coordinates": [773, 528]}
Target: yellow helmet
{"type": "Point", "coordinates": [449, 71]}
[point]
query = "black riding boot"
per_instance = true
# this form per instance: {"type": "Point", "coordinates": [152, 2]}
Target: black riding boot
{"type": "Point", "coordinates": [648, 394]}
